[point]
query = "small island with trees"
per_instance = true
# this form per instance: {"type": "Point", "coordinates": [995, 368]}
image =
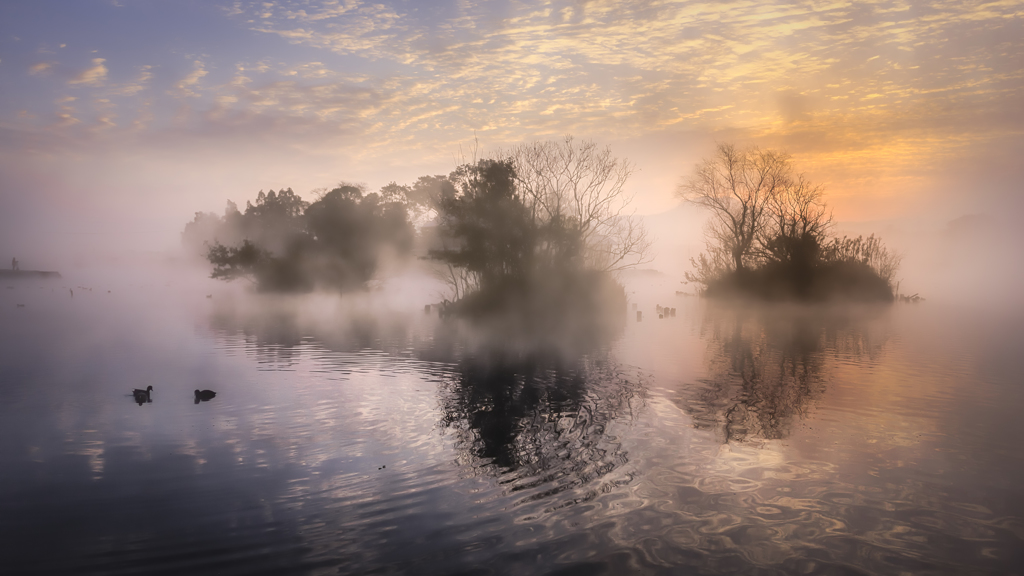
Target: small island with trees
{"type": "Point", "coordinates": [530, 241]}
{"type": "Point", "coordinates": [769, 235]}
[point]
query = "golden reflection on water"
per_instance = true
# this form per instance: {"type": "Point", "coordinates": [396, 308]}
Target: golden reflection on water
{"type": "Point", "coordinates": [766, 367]}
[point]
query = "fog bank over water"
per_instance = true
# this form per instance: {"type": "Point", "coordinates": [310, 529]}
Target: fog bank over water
{"type": "Point", "coordinates": [973, 260]}
{"type": "Point", "coordinates": [954, 226]}
{"type": "Point", "coordinates": [56, 213]}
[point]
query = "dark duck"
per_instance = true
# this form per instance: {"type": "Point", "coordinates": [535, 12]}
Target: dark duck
{"type": "Point", "coordinates": [142, 396]}
{"type": "Point", "coordinates": [204, 395]}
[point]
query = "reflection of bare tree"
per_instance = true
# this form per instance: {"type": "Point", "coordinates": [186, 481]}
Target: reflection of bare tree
{"type": "Point", "coordinates": [542, 423]}
{"type": "Point", "coordinates": [765, 367]}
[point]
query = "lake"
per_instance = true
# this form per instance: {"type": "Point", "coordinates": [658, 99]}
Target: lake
{"type": "Point", "coordinates": [362, 435]}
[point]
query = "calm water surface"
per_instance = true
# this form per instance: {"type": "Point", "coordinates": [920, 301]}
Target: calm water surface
{"type": "Point", "coordinates": [348, 438]}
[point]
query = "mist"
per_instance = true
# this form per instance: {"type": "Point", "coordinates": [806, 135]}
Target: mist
{"type": "Point", "coordinates": [62, 210]}
{"type": "Point", "coordinates": [509, 288]}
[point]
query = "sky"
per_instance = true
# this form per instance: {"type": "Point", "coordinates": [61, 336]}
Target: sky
{"type": "Point", "coordinates": [120, 119]}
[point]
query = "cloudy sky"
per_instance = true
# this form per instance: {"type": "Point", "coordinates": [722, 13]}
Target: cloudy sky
{"type": "Point", "coordinates": [119, 119]}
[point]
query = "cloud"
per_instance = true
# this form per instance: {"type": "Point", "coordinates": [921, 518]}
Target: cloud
{"type": "Point", "coordinates": [188, 85]}
{"type": "Point", "coordinates": [869, 89]}
{"type": "Point", "coordinates": [869, 95]}
{"type": "Point", "coordinates": [349, 27]}
{"type": "Point", "coordinates": [66, 118]}
{"type": "Point", "coordinates": [139, 84]}
{"type": "Point", "coordinates": [41, 68]}
{"type": "Point", "coordinates": [92, 76]}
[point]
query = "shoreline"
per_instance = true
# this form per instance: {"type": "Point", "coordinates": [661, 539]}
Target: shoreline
{"type": "Point", "coordinates": [13, 274]}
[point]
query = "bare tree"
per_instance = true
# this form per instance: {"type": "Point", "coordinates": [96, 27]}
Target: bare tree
{"type": "Point", "coordinates": [740, 188]}
{"type": "Point", "coordinates": [798, 222]}
{"type": "Point", "coordinates": [459, 280]}
{"type": "Point", "coordinates": [708, 266]}
{"type": "Point", "coordinates": [582, 186]}
{"type": "Point", "coordinates": [768, 219]}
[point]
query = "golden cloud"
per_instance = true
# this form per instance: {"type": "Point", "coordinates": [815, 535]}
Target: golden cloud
{"type": "Point", "coordinates": [93, 76]}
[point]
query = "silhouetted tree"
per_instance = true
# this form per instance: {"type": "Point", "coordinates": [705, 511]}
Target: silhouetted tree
{"type": "Point", "coordinates": [429, 191]}
{"type": "Point", "coordinates": [349, 232]}
{"type": "Point", "coordinates": [487, 227]}
{"type": "Point", "coordinates": [287, 244]}
{"type": "Point", "coordinates": [245, 261]}
{"type": "Point", "coordinates": [579, 189]}
{"type": "Point", "coordinates": [797, 225]}
{"type": "Point", "coordinates": [393, 192]}
{"type": "Point", "coordinates": [739, 187]}
{"type": "Point", "coordinates": [422, 199]}
{"type": "Point", "coordinates": [274, 220]}
{"type": "Point", "coordinates": [510, 267]}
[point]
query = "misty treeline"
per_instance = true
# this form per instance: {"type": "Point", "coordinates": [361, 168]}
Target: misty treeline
{"type": "Point", "coordinates": [769, 234]}
{"type": "Point", "coordinates": [539, 228]}
{"type": "Point", "coordinates": [283, 243]}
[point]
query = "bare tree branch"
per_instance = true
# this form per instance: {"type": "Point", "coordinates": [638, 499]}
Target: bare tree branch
{"type": "Point", "coordinates": [583, 186]}
{"type": "Point", "coordinates": [739, 187]}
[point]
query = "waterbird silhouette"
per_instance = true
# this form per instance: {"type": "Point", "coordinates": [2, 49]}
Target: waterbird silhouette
{"type": "Point", "coordinates": [142, 396]}
{"type": "Point", "coordinates": [204, 395]}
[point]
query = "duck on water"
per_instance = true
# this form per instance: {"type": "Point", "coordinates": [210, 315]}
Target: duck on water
{"type": "Point", "coordinates": [142, 396]}
{"type": "Point", "coordinates": [204, 395]}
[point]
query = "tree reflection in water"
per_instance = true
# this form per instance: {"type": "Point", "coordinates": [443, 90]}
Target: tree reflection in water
{"type": "Point", "coordinates": [767, 365]}
{"type": "Point", "coordinates": [545, 425]}
{"type": "Point", "coordinates": [542, 419]}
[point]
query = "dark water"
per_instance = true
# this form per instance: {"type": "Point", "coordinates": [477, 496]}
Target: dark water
{"type": "Point", "coordinates": [349, 439]}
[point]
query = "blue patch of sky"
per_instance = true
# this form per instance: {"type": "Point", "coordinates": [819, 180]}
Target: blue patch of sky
{"type": "Point", "coordinates": [130, 34]}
